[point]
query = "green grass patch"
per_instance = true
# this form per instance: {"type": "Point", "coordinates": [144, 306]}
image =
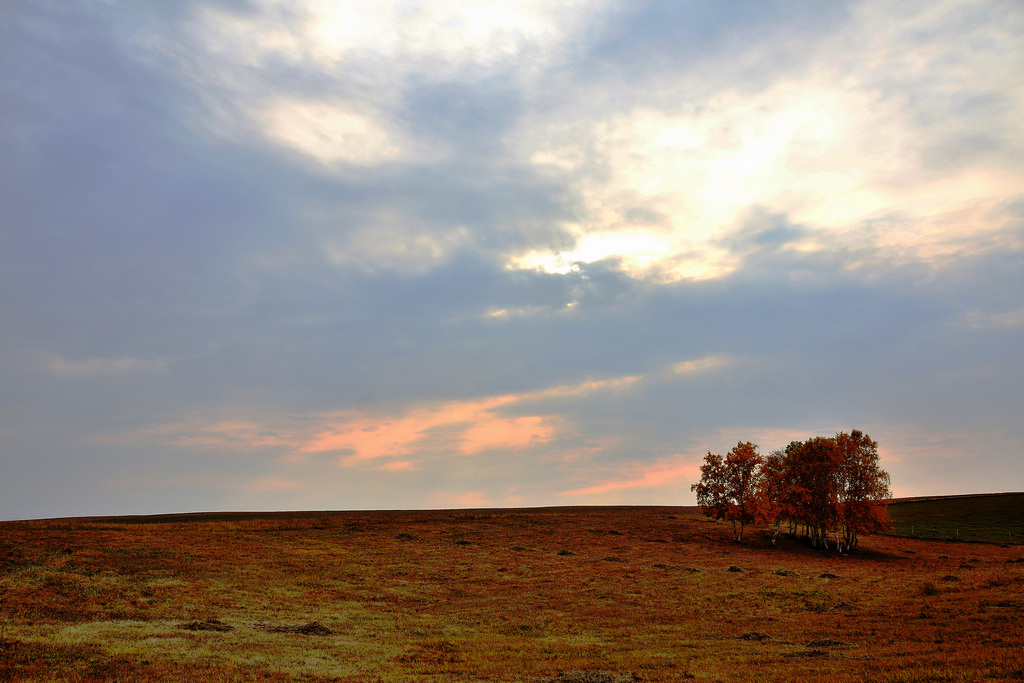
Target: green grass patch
{"type": "Point", "coordinates": [996, 518]}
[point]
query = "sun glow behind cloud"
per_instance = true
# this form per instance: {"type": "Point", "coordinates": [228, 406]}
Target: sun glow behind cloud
{"type": "Point", "coordinates": [657, 183]}
{"type": "Point", "coordinates": [830, 147]}
{"type": "Point", "coordinates": [329, 132]}
{"type": "Point", "coordinates": [456, 35]}
{"type": "Point", "coordinates": [830, 159]}
{"type": "Point", "coordinates": [446, 36]}
{"type": "Point", "coordinates": [378, 46]}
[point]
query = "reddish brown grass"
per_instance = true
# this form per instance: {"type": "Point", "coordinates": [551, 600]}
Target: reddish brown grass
{"type": "Point", "coordinates": [566, 594]}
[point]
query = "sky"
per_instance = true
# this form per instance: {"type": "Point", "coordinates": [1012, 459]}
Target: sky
{"type": "Point", "coordinates": [316, 254]}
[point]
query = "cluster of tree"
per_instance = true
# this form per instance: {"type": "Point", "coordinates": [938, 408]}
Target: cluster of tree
{"type": "Point", "coordinates": [824, 484]}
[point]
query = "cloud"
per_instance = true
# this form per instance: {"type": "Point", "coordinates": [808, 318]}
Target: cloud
{"type": "Point", "coordinates": [669, 473]}
{"type": "Point", "coordinates": [218, 435]}
{"type": "Point", "coordinates": [507, 248]}
{"type": "Point", "coordinates": [435, 35]}
{"type": "Point", "coordinates": [701, 365]}
{"type": "Point", "coordinates": [92, 367]}
{"type": "Point", "coordinates": [982, 320]}
{"type": "Point", "coordinates": [831, 142]}
{"type": "Point", "coordinates": [469, 499]}
{"type": "Point", "coordinates": [514, 433]}
{"type": "Point", "coordinates": [477, 428]}
{"type": "Point", "coordinates": [395, 242]}
{"type": "Point", "coordinates": [329, 132]}
{"type": "Point", "coordinates": [451, 428]}
{"type": "Point", "coordinates": [458, 427]}
{"type": "Point", "coordinates": [367, 56]}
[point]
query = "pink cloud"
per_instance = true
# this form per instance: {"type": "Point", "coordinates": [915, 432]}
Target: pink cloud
{"type": "Point", "coordinates": [511, 433]}
{"type": "Point", "coordinates": [469, 499]}
{"type": "Point", "coordinates": [196, 433]}
{"type": "Point", "coordinates": [652, 475]}
{"type": "Point", "coordinates": [466, 427]}
{"type": "Point", "coordinates": [369, 437]}
{"type": "Point", "coordinates": [475, 425]}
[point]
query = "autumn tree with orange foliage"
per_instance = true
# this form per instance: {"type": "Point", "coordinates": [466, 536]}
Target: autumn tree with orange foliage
{"type": "Point", "coordinates": [774, 484]}
{"type": "Point", "coordinates": [824, 484]}
{"type": "Point", "coordinates": [728, 488]}
{"type": "Point", "coordinates": [862, 487]}
{"type": "Point", "coordinates": [814, 467]}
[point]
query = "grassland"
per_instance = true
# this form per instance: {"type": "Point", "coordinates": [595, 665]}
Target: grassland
{"type": "Point", "coordinates": [993, 518]}
{"type": "Point", "coordinates": [649, 593]}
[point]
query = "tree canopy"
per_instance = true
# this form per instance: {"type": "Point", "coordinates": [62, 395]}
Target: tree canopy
{"type": "Point", "coordinates": [824, 485]}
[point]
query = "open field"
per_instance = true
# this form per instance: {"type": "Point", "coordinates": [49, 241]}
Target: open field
{"type": "Point", "coordinates": [992, 518]}
{"type": "Point", "coordinates": [649, 593]}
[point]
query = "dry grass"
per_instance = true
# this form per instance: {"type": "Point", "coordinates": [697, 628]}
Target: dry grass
{"type": "Point", "coordinates": [570, 594]}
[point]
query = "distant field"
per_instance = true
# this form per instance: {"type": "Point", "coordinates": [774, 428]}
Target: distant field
{"type": "Point", "coordinates": [548, 595]}
{"type": "Point", "coordinates": [992, 518]}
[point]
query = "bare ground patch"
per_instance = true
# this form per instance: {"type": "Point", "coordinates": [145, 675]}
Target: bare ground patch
{"type": "Point", "coordinates": [207, 625]}
{"type": "Point", "coordinates": [313, 628]}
